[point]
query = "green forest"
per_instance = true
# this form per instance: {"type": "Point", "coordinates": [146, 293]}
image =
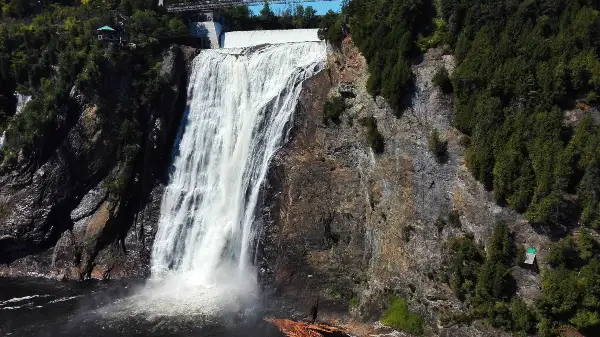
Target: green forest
{"type": "Point", "coordinates": [521, 65]}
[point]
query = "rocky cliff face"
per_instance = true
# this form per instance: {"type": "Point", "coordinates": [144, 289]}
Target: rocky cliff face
{"type": "Point", "coordinates": [58, 218]}
{"type": "Point", "coordinates": [343, 222]}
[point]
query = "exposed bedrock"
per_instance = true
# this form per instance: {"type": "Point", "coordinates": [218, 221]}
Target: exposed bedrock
{"type": "Point", "coordinates": [344, 224]}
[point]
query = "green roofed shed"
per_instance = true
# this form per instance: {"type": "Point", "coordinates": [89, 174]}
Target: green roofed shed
{"type": "Point", "coordinates": [530, 256]}
{"type": "Point", "coordinates": [105, 29]}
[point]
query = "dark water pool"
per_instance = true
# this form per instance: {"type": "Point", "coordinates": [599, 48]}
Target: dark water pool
{"type": "Point", "coordinates": [40, 307]}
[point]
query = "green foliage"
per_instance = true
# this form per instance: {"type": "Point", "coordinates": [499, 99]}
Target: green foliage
{"type": "Point", "coordinates": [386, 33]}
{"type": "Point", "coordinates": [353, 303]}
{"type": "Point", "coordinates": [332, 28]}
{"type": "Point", "coordinates": [521, 62]}
{"type": "Point", "coordinates": [547, 328]}
{"type": "Point", "coordinates": [493, 287]}
{"type": "Point", "coordinates": [399, 317]}
{"type": "Point", "coordinates": [563, 253]}
{"type": "Point", "coordinates": [442, 80]}
{"type": "Point", "coordinates": [571, 290]}
{"type": "Point", "coordinates": [587, 246]}
{"type": "Point", "coordinates": [333, 109]}
{"type": "Point", "coordinates": [486, 283]}
{"type": "Point", "coordinates": [43, 55]}
{"type": "Point", "coordinates": [437, 146]}
{"type": "Point", "coordinates": [55, 50]}
{"type": "Point", "coordinates": [266, 13]}
{"type": "Point", "coordinates": [492, 279]}
{"type": "Point", "coordinates": [454, 218]}
{"type": "Point", "coordinates": [242, 18]}
{"type": "Point", "coordinates": [374, 138]}
{"type": "Point", "coordinates": [523, 319]}
{"type": "Point", "coordinates": [439, 36]}
{"type": "Point", "coordinates": [466, 261]}
{"type": "Point", "coordinates": [147, 27]}
{"type": "Point", "coordinates": [29, 126]}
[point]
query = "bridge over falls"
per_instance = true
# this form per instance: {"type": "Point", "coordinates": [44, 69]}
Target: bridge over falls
{"type": "Point", "coordinates": [208, 5]}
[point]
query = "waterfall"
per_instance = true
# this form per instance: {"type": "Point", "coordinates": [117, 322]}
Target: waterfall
{"type": "Point", "coordinates": [240, 104]}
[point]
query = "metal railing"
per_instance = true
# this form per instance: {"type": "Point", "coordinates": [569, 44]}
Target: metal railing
{"type": "Point", "coordinates": [206, 5]}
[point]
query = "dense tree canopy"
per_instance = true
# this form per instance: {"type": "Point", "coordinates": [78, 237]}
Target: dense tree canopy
{"type": "Point", "coordinates": [241, 18]}
{"type": "Point", "coordinates": [386, 32]}
{"type": "Point", "coordinates": [522, 64]}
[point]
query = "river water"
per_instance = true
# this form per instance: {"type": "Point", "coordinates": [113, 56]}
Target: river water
{"type": "Point", "coordinates": [44, 308]}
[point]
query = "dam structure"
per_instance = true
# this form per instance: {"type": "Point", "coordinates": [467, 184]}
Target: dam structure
{"type": "Point", "coordinates": [213, 34]}
{"type": "Point", "coordinates": [242, 39]}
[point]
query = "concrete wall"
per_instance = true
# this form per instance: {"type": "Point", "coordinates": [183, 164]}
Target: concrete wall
{"type": "Point", "coordinates": [209, 29]}
{"type": "Point", "coordinates": [241, 39]}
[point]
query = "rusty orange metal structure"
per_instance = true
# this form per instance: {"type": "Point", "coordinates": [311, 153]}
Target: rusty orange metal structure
{"type": "Point", "coordinates": [302, 329]}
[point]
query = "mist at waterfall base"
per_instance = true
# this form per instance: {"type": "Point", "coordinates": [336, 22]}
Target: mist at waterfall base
{"type": "Point", "coordinates": [204, 283]}
{"type": "Point", "coordinates": [48, 308]}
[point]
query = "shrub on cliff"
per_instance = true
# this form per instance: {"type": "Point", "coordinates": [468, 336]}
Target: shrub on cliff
{"type": "Point", "coordinates": [454, 218]}
{"type": "Point", "coordinates": [437, 146]}
{"type": "Point", "coordinates": [333, 109]}
{"type": "Point", "coordinates": [442, 80]}
{"type": "Point", "coordinates": [332, 28]}
{"type": "Point", "coordinates": [386, 33]}
{"type": "Point", "coordinates": [466, 259]}
{"type": "Point", "coordinates": [374, 137]}
{"type": "Point", "coordinates": [399, 317]}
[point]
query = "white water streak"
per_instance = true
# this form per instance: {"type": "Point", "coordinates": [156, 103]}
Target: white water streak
{"type": "Point", "coordinates": [240, 104]}
{"type": "Point", "coordinates": [22, 100]}
{"type": "Point", "coordinates": [21, 299]}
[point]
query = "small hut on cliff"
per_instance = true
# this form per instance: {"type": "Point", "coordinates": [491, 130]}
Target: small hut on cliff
{"type": "Point", "coordinates": [106, 33]}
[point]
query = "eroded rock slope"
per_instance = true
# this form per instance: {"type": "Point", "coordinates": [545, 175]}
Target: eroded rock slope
{"type": "Point", "coordinates": [345, 223]}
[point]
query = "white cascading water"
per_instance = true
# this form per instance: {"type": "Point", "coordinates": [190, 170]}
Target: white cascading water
{"type": "Point", "coordinates": [241, 102]}
{"type": "Point", "coordinates": [22, 100]}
